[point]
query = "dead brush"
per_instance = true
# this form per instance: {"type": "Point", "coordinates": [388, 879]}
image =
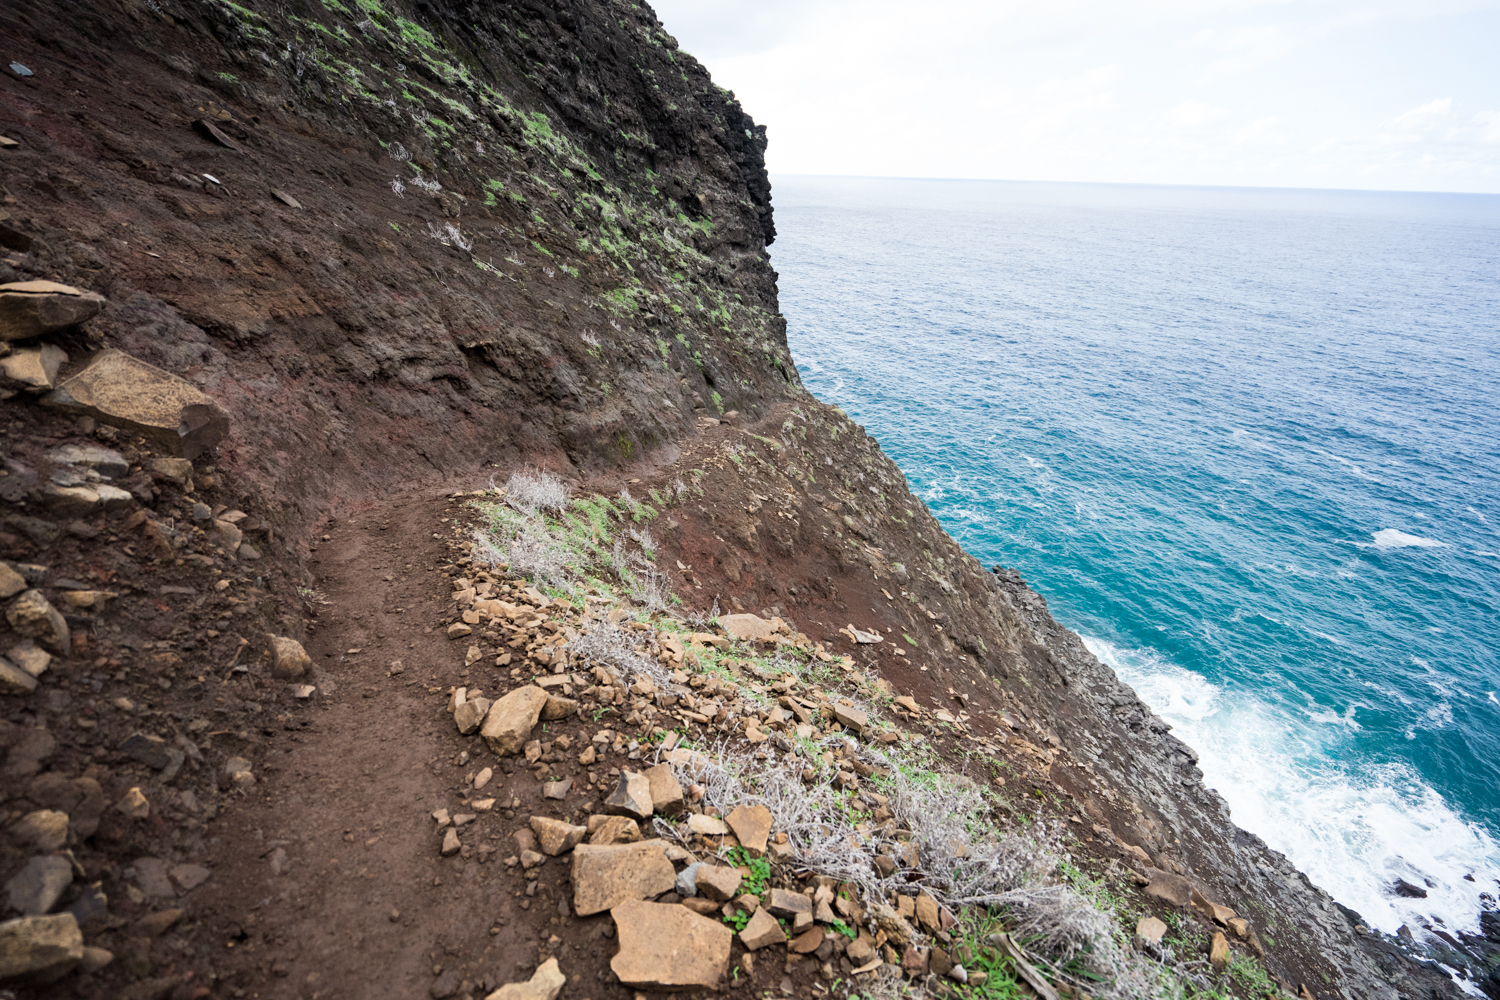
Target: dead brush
{"type": "Point", "coordinates": [1011, 872]}
{"type": "Point", "coordinates": [529, 550]}
{"type": "Point", "coordinates": [615, 649]}
{"type": "Point", "coordinates": [532, 492]}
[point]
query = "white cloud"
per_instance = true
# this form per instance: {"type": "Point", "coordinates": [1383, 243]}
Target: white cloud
{"type": "Point", "coordinates": [1260, 132]}
{"type": "Point", "coordinates": [1194, 114]}
{"type": "Point", "coordinates": [1489, 127]}
{"type": "Point", "coordinates": [1154, 91]}
{"type": "Point", "coordinates": [1424, 115]}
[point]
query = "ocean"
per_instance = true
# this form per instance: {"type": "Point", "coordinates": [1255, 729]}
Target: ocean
{"type": "Point", "coordinates": [1246, 442]}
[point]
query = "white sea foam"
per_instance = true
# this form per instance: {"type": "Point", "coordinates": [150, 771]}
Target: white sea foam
{"type": "Point", "coordinates": [1353, 829]}
{"type": "Point", "coordinates": [1390, 538]}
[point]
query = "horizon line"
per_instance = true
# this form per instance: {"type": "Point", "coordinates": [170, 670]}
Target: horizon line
{"type": "Point", "coordinates": [1142, 184]}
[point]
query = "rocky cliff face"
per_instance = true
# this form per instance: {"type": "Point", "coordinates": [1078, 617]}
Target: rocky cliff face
{"type": "Point", "coordinates": [399, 242]}
{"type": "Point", "coordinates": [371, 250]}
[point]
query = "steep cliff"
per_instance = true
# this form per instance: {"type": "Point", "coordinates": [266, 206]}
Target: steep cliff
{"type": "Point", "coordinates": [410, 249]}
{"type": "Point", "coordinates": [398, 243]}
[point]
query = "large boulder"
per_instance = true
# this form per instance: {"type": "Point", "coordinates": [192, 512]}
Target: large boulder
{"type": "Point", "coordinates": [31, 308]}
{"type": "Point", "coordinates": [115, 388]}
{"type": "Point", "coordinates": [508, 724]}
{"type": "Point", "coordinates": [38, 950]}
{"type": "Point", "coordinates": [669, 947]}
{"type": "Point", "coordinates": [605, 877]}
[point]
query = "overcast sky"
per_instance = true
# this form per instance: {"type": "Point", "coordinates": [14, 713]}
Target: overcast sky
{"type": "Point", "coordinates": [1392, 94]}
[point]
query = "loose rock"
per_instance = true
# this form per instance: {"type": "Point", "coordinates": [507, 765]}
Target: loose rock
{"type": "Point", "coordinates": [289, 660]}
{"type": "Point", "coordinates": [11, 582]}
{"type": "Point", "coordinates": [39, 885]}
{"type": "Point", "coordinates": [44, 830]}
{"type": "Point", "coordinates": [665, 790]}
{"type": "Point", "coordinates": [1150, 930]}
{"type": "Point", "coordinates": [32, 616]}
{"type": "Point", "coordinates": [762, 930]}
{"type": "Point", "coordinates": [706, 826]}
{"type": "Point", "coordinates": [469, 716]}
{"type": "Point", "coordinates": [14, 680]}
{"type": "Point", "coordinates": [40, 949]}
{"type": "Point", "coordinates": [508, 724]}
{"type": "Point", "coordinates": [669, 947]}
{"type": "Point", "coordinates": [117, 389]}
{"type": "Point", "coordinates": [718, 884]}
{"type": "Point", "coordinates": [631, 797]}
{"type": "Point", "coordinates": [31, 308]}
{"type": "Point", "coordinates": [614, 830]}
{"type": "Point", "coordinates": [32, 369]}
{"type": "Point", "coordinates": [751, 826]}
{"type": "Point", "coordinates": [1218, 951]}
{"type": "Point", "coordinates": [785, 903]}
{"type": "Point", "coordinates": [545, 984]}
{"type": "Point", "coordinates": [605, 877]}
{"type": "Point", "coordinates": [556, 837]}
{"type": "Point", "coordinates": [134, 805]}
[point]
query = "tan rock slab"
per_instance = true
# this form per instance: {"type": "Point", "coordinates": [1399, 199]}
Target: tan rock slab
{"type": "Point", "coordinates": [469, 716]}
{"type": "Point", "coordinates": [1218, 951]}
{"type": "Point", "coordinates": [1151, 930]}
{"type": "Point", "coordinates": [1170, 888]}
{"type": "Point", "coordinates": [807, 942]}
{"type": "Point", "coordinates": [666, 790]}
{"type": "Point", "coordinates": [510, 720]}
{"type": "Point", "coordinates": [1210, 910]}
{"type": "Point", "coordinates": [555, 836]}
{"type": "Point", "coordinates": [786, 903]}
{"type": "Point", "coordinates": [631, 797]}
{"type": "Point", "coordinates": [718, 883]}
{"type": "Point", "coordinates": [11, 582]}
{"type": "Point", "coordinates": [707, 826]}
{"type": "Point", "coordinates": [14, 680]}
{"type": "Point", "coordinates": [851, 718]}
{"type": "Point", "coordinates": [751, 826]}
{"type": "Point", "coordinates": [29, 657]}
{"type": "Point", "coordinates": [44, 830]}
{"type": "Point", "coordinates": [558, 707]}
{"type": "Point", "coordinates": [762, 930]}
{"type": "Point", "coordinates": [34, 617]}
{"type": "Point", "coordinates": [668, 947]}
{"type": "Point", "coordinates": [746, 628]}
{"type": "Point", "coordinates": [289, 660]}
{"type": "Point", "coordinates": [117, 389]}
{"type": "Point", "coordinates": [39, 950]}
{"type": "Point", "coordinates": [32, 369]}
{"type": "Point", "coordinates": [605, 877]}
{"type": "Point", "coordinates": [926, 911]}
{"type": "Point", "coordinates": [31, 308]}
{"type": "Point", "coordinates": [545, 984]}
{"type": "Point", "coordinates": [613, 830]}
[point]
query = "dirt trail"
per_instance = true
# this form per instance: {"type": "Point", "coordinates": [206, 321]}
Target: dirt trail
{"type": "Point", "coordinates": [363, 905]}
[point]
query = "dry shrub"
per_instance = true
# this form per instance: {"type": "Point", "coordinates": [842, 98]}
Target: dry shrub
{"type": "Point", "coordinates": [530, 492]}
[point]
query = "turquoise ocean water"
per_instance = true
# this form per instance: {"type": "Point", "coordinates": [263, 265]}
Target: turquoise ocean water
{"type": "Point", "coordinates": [1246, 442]}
